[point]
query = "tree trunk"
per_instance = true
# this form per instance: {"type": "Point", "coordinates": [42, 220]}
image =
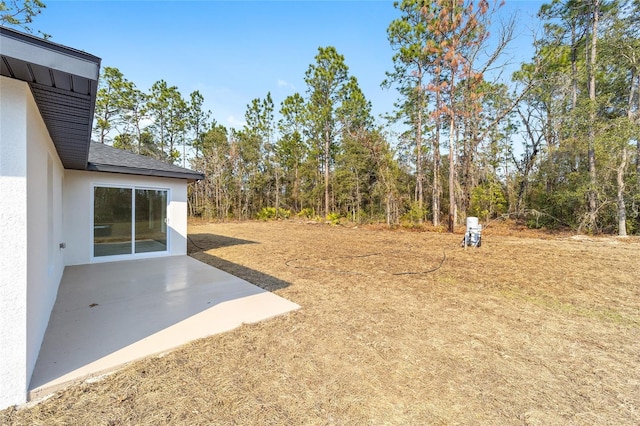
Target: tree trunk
{"type": "Point", "coordinates": [327, 153]}
{"type": "Point", "coordinates": [469, 179]}
{"type": "Point", "coordinates": [592, 117]}
{"type": "Point", "coordinates": [296, 190]}
{"type": "Point", "coordinates": [634, 118]}
{"type": "Point", "coordinates": [633, 94]}
{"type": "Point", "coordinates": [638, 163]}
{"type": "Point", "coordinates": [467, 184]}
{"type": "Point", "coordinates": [277, 192]}
{"type": "Point", "coordinates": [574, 68]}
{"type": "Point", "coordinates": [452, 153]}
{"type": "Point", "coordinates": [622, 211]}
{"type": "Point", "coordinates": [435, 194]}
{"type": "Point", "coordinates": [388, 209]}
{"type": "Point", "coordinates": [419, 171]}
{"type": "Point", "coordinates": [358, 198]}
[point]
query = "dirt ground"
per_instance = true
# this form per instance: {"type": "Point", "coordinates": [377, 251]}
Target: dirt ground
{"type": "Point", "coordinates": [396, 327]}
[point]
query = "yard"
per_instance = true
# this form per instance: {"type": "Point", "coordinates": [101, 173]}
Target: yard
{"type": "Point", "coordinates": [396, 327]}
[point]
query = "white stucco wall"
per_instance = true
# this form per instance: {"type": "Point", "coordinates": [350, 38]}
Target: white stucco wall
{"type": "Point", "coordinates": [42, 206]}
{"type": "Point", "coordinates": [13, 241]}
{"type": "Point", "coordinates": [31, 263]}
{"type": "Point", "coordinates": [78, 190]}
{"type": "Point", "coordinates": [45, 259]}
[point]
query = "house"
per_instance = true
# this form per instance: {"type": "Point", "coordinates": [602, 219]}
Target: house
{"type": "Point", "coordinates": [66, 201]}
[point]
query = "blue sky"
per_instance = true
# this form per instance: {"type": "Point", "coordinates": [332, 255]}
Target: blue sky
{"type": "Point", "coordinates": [235, 51]}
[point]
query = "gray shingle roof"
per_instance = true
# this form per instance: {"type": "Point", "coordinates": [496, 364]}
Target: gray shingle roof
{"type": "Point", "coordinates": [105, 158]}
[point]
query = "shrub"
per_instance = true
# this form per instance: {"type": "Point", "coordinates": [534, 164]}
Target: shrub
{"type": "Point", "coordinates": [334, 218]}
{"type": "Point", "coordinates": [415, 214]}
{"type": "Point", "coordinates": [307, 213]}
{"type": "Point", "coordinates": [269, 213]}
{"type": "Point", "coordinates": [488, 200]}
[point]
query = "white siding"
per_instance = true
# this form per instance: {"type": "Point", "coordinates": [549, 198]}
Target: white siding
{"type": "Point", "coordinates": [78, 192]}
{"type": "Point", "coordinates": [30, 265]}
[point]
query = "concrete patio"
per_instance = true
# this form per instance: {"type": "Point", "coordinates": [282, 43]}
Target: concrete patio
{"type": "Point", "coordinates": [108, 314]}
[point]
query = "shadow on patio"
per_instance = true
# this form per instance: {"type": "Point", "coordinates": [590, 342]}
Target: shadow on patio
{"type": "Point", "coordinates": [108, 314]}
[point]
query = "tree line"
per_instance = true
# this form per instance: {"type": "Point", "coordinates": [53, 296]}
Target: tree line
{"type": "Point", "coordinates": [581, 120]}
{"type": "Point", "coordinates": [553, 147]}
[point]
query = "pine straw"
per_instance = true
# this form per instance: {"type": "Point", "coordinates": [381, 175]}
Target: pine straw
{"type": "Point", "coordinates": [521, 331]}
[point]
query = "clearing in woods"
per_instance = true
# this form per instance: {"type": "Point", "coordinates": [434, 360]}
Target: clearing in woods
{"type": "Point", "coordinates": [396, 327]}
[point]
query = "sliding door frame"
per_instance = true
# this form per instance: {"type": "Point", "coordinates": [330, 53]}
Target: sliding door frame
{"type": "Point", "coordinates": [132, 254]}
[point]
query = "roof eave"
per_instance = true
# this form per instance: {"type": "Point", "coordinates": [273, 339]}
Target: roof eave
{"type": "Point", "coordinates": [39, 51]}
{"type": "Point", "coordinates": [44, 65]}
{"type": "Point", "coordinates": [109, 168]}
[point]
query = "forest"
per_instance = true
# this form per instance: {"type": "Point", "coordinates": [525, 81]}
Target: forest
{"type": "Point", "coordinates": [555, 145]}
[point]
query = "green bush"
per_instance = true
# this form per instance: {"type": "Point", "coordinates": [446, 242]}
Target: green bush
{"type": "Point", "coordinates": [632, 227]}
{"type": "Point", "coordinates": [415, 214]}
{"type": "Point", "coordinates": [488, 200]}
{"type": "Point", "coordinates": [269, 213]}
{"type": "Point", "coordinates": [306, 213]}
{"type": "Point", "coordinates": [334, 218]}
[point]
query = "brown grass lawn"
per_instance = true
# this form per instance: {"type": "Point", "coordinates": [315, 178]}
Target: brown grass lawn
{"type": "Point", "coordinates": [528, 329]}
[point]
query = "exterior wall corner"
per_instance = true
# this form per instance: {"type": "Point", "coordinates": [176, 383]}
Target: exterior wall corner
{"type": "Point", "coordinates": [13, 242]}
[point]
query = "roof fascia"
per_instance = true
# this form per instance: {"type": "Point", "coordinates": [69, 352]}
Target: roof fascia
{"type": "Point", "coordinates": [41, 52]}
{"type": "Point", "coordinates": [108, 168]}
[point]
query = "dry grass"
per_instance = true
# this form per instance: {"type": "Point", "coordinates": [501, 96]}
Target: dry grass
{"type": "Point", "coordinates": [521, 331]}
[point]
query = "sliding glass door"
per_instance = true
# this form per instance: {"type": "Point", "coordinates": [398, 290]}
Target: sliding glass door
{"type": "Point", "coordinates": [151, 220]}
{"type": "Point", "coordinates": [129, 221]}
{"type": "Point", "coordinates": [112, 224]}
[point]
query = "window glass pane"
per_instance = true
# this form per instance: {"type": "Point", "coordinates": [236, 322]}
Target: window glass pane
{"type": "Point", "coordinates": [111, 221]}
{"type": "Point", "coordinates": [151, 224]}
